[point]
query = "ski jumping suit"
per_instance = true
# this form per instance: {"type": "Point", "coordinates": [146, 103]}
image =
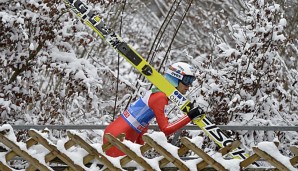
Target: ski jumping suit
{"type": "Point", "coordinates": [134, 121]}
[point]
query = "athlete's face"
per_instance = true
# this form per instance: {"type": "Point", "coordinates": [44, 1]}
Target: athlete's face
{"type": "Point", "coordinates": [182, 88]}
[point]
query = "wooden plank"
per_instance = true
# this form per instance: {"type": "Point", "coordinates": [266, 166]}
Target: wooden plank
{"type": "Point", "coordinates": [128, 152]}
{"type": "Point", "coordinates": [294, 150]}
{"type": "Point", "coordinates": [50, 157]}
{"type": "Point", "coordinates": [10, 155]}
{"type": "Point", "coordinates": [14, 147]}
{"type": "Point", "coordinates": [248, 161]}
{"type": "Point", "coordinates": [163, 162]}
{"type": "Point", "coordinates": [92, 151]}
{"type": "Point", "coordinates": [202, 165]}
{"type": "Point", "coordinates": [181, 151]}
{"type": "Point", "coordinates": [29, 143]}
{"type": "Point", "coordinates": [69, 144]}
{"type": "Point", "coordinates": [165, 153]}
{"type": "Point", "coordinates": [127, 159]}
{"type": "Point", "coordinates": [30, 168]}
{"type": "Point", "coordinates": [225, 150]}
{"type": "Point", "coordinates": [202, 154]}
{"type": "Point", "coordinates": [53, 149]}
{"type": "Point", "coordinates": [88, 158]}
{"type": "Point", "coordinates": [270, 159]}
{"type": "Point", "coordinates": [145, 148]}
{"type": "Point", "coordinates": [108, 145]}
{"type": "Point", "coordinates": [294, 160]}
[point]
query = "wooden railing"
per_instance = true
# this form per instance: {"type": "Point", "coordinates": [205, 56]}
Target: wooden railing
{"type": "Point", "coordinates": [75, 153]}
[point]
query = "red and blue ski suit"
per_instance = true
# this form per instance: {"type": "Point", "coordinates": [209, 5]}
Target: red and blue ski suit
{"type": "Point", "coordinates": [134, 121]}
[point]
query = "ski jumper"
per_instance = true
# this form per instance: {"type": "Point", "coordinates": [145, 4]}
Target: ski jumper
{"type": "Point", "coordinates": [134, 121]}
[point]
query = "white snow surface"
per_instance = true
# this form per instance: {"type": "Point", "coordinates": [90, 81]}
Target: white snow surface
{"type": "Point", "coordinates": [271, 149]}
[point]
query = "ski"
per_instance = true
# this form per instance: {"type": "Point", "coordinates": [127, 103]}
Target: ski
{"type": "Point", "coordinates": [138, 62]}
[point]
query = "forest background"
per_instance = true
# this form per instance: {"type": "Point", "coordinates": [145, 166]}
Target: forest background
{"type": "Point", "coordinates": [54, 70]}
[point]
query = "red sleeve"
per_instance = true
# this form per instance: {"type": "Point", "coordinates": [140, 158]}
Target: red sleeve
{"type": "Point", "coordinates": [157, 103]}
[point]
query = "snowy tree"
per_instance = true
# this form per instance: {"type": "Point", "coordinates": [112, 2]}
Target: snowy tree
{"type": "Point", "coordinates": [43, 78]}
{"type": "Point", "coordinates": [27, 30]}
{"type": "Point", "coordinates": [250, 84]}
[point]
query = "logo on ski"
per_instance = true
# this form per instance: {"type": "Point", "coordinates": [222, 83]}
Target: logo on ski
{"type": "Point", "coordinates": [221, 138]}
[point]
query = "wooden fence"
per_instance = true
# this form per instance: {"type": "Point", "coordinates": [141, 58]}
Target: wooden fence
{"type": "Point", "coordinates": [40, 153]}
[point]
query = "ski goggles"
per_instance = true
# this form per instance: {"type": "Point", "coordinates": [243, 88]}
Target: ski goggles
{"type": "Point", "coordinates": [188, 80]}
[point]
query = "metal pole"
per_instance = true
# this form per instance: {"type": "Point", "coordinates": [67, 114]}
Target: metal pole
{"type": "Point", "coordinates": [188, 127]}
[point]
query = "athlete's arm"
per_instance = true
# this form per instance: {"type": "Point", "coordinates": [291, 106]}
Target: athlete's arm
{"type": "Point", "coordinates": [157, 103]}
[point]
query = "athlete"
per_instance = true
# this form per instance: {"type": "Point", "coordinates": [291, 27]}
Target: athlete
{"type": "Point", "coordinates": [134, 121]}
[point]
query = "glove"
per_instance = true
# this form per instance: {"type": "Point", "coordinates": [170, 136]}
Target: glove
{"type": "Point", "coordinates": [195, 112]}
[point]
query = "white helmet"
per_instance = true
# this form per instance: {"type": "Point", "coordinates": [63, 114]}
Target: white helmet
{"type": "Point", "coordinates": [180, 71]}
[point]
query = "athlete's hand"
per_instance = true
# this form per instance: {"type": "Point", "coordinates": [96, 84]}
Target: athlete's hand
{"type": "Point", "coordinates": [195, 112]}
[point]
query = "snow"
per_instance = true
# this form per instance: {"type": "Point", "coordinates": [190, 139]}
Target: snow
{"type": "Point", "coordinates": [231, 165]}
{"type": "Point", "coordinates": [272, 150]}
{"type": "Point", "coordinates": [136, 148]}
{"type": "Point", "coordinates": [31, 47]}
{"type": "Point", "coordinates": [10, 134]}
